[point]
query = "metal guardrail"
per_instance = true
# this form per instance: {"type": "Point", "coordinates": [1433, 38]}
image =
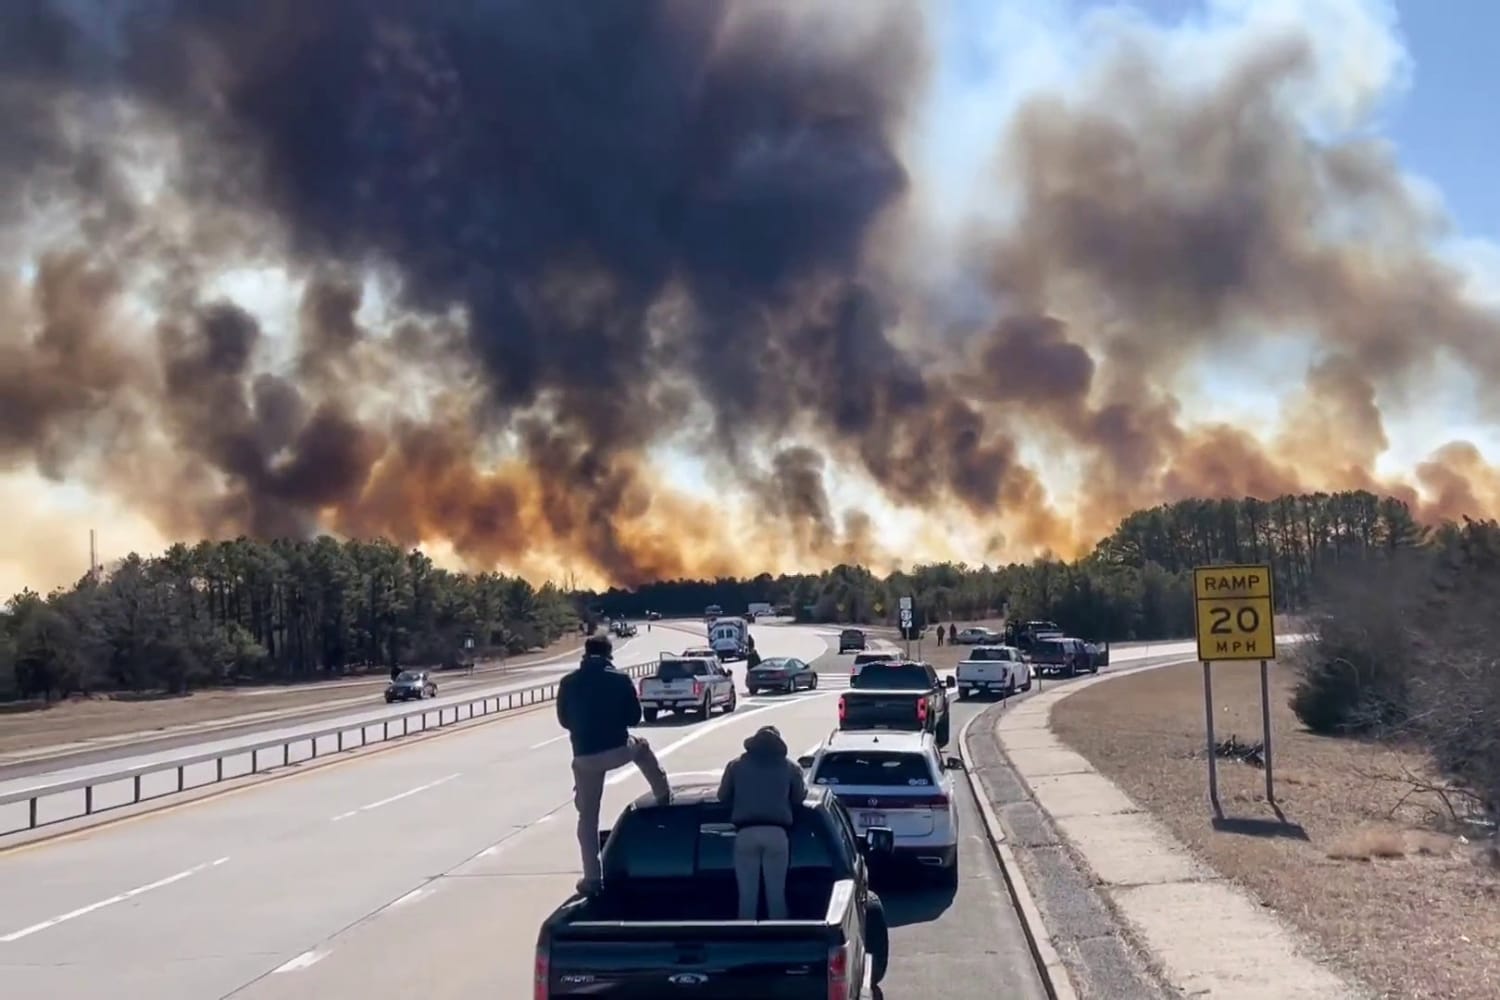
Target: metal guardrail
{"type": "Point", "coordinates": [446, 715]}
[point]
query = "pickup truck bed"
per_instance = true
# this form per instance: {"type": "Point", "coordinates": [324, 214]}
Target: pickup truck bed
{"type": "Point", "coordinates": [665, 923]}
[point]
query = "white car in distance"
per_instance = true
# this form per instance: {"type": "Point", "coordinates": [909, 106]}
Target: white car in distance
{"type": "Point", "coordinates": [861, 660]}
{"type": "Point", "coordinates": [993, 669]}
{"type": "Point", "coordinates": [896, 780]}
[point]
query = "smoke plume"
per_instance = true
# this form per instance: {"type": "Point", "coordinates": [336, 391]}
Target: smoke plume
{"type": "Point", "coordinates": [534, 245]}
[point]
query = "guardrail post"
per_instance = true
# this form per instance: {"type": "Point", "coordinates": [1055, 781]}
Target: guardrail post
{"type": "Point", "coordinates": [254, 761]}
{"type": "Point", "coordinates": [341, 741]}
{"type": "Point", "coordinates": [180, 778]}
{"type": "Point", "coordinates": [137, 784]}
{"type": "Point", "coordinates": [405, 724]}
{"type": "Point", "coordinates": [88, 800]}
{"type": "Point", "coordinates": [385, 730]}
{"type": "Point", "coordinates": [286, 755]}
{"type": "Point", "coordinates": [33, 813]}
{"type": "Point", "coordinates": [364, 732]}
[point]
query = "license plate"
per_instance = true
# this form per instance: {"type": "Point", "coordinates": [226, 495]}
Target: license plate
{"type": "Point", "coordinates": [871, 819]}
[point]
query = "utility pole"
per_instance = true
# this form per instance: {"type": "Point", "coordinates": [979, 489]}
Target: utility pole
{"type": "Point", "coordinates": [93, 559]}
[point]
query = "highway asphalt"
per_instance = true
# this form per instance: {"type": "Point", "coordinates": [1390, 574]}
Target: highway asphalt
{"type": "Point", "coordinates": [17, 777]}
{"type": "Point", "coordinates": [424, 871]}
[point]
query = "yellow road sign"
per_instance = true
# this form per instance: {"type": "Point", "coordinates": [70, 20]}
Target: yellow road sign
{"type": "Point", "coordinates": [1234, 612]}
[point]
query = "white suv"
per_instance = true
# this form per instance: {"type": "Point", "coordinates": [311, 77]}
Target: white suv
{"type": "Point", "coordinates": [896, 780]}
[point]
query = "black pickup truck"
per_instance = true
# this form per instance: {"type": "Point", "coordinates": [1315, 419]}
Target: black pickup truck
{"type": "Point", "coordinates": [663, 924]}
{"type": "Point", "coordinates": [897, 694]}
{"type": "Point", "coordinates": [1068, 656]}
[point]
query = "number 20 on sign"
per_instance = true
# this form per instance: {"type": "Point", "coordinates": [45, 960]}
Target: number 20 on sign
{"type": "Point", "coordinates": [1235, 613]}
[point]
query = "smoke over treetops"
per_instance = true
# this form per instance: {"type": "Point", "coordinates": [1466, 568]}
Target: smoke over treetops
{"type": "Point", "coordinates": [531, 245]}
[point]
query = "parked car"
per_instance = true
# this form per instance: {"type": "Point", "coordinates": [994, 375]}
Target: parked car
{"type": "Point", "coordinates": [1068, 656]}
{"type": "Point", "coordinates": [687, 684]}
{"type": "Point", "coordinates": [895, 780]}
{"type": "Point", "coordinates": [974, 635]}
{"type": "Point", "coordinates": [623, 629]}
{"type": "Point", "coordinates": [851, 639]}
{"type": "Point", "coordinates": [410, 684]}
{"type": "Point", "coordinates": [998, 670]}
{"type": "Point", "coordinates": [902, 695]}
{"type": "Point", "coordinates": [780, 673]}
{"type": "Point", "coordinates": [663, 925]}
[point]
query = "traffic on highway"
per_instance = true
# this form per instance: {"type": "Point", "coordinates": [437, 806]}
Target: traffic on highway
{"type": "Point", "coordinates": [444, 865]}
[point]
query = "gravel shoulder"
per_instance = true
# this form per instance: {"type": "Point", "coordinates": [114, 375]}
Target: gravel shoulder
{"type": "Point", "coordinates": [1392, 899]}
{"type": "Point", "coordinates": [1103, 961]}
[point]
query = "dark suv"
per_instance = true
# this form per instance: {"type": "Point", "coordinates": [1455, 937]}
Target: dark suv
{"type": "Point", "coordinates": [851, 639]}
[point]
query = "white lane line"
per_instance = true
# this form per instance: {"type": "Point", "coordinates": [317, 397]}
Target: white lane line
{"type": "Point", "coordinates": [397, 798]}
{"type": "Point", "coordinates": [411, 897]}
{"type": "Point", "coordinates": [626, 773]}
{"type": "Point", "coordinates": [302, 961]}
{"type": "Point", "coordinates": [138, 890]}
{"type": "Point", "coordinates": [548, 743]}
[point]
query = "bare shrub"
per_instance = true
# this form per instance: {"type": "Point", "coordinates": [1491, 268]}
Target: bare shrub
{"type": "Point", "coordinates": [1353, 675]}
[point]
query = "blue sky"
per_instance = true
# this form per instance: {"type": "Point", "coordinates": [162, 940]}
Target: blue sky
{"type": "Point", "coordinates": [1445, 121]}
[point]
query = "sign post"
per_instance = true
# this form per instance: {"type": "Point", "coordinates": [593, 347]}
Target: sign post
{"type": "Point", "coordinates": [1234, 618]}
{"type": "Point", "coordinates": [906, 619]}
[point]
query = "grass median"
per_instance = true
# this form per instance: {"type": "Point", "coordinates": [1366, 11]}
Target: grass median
{"type": "Point", "coordinates": [79, 720]}
{"type": "Point", "coordinates": [1381, 883]}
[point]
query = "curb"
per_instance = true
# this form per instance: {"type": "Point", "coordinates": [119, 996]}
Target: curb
{"type": "Point", "coordinates": [1049, 963]}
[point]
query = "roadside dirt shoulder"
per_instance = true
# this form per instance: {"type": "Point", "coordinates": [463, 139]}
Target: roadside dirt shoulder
{"type": "Point", "coordinates": [1394, 902]}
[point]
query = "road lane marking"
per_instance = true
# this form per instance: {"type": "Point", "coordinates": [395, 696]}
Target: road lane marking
{"type": "Point", "coordinates": [626, 773]}
{"type": "Point", "coordinates": [547, 743]}
{"type": "Point", "coordinates": [131, 894]}
{"type": "Point", "coordinates": [305, 960]}
{"type": "Point", "coordinates": [410, 897]}
{"type": "Point", "coordinates": [397, 798]}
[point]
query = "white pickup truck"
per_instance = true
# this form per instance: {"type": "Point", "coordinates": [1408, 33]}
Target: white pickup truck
{"type": "Point", "coordinates": [695, 685]}
{"type": "Point", "coordinates": [993, 669]}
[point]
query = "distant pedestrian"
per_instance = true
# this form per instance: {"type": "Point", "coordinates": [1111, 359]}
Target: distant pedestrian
{"type": "Point", "coordinates": [763, 788]}
{"type": "Point", "coordinates": [940, 635]}
{"type": "Point", "coordinates": [597, 705]}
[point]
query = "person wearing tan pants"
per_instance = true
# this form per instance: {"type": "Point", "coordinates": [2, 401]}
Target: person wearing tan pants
{"type": "Point", "coordinates": [597, 705]}
{"type": "Point", "coordinates": [763, 788]}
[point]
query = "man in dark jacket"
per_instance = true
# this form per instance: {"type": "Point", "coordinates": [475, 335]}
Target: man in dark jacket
{"type": "Point", "coordinates": [762, 788]}
{"type": "Point", "coordinates": [597, 705]}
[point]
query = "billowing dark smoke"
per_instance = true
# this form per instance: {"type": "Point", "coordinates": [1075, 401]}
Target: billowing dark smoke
{"type": "Point", "coordinates": [601, 227]}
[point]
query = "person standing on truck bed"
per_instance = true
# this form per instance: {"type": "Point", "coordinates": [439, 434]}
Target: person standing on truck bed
{"type": "Point", "coordinates": [597, 705]}
{"type": "Point", "coordinates": [761, 787]}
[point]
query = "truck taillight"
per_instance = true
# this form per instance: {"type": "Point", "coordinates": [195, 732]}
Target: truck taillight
{"type": "Point", "coordinates": [922, 709]}
{"type": "Point", "coordinates": [838, 973]}
{"type": "Point", "coordinates": [541, 990]}
{"type": "Point", "coordinates": [697, 689]}
{"type": "Point", "coordinates": [843, 708]}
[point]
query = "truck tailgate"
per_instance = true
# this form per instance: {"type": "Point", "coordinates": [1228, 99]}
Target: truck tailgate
{"type": "Point", "coordinates": [722, 961]}
{"type": "Point", "coordinates": [674, 690]}
{"type": "Point", "coordinates": [881, 709]}
{"type": "Point", "coordinates": [987, 671]}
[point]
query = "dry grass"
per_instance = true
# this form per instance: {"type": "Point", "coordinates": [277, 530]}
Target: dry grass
{"type": "Point", "coordinates": [1394, 900]}
{"type": "Point", "coordinates": [29, 726]}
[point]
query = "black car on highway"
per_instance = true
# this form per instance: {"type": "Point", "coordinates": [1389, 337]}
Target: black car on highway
{"type": "Point", "coordinates": [663, 924]}
{"type": "Point", "coordinates": [851, 639]}
{"type": "Point", "coordinates": [409, 684]}
{"type": "Point", "coordinates": [780, 673]}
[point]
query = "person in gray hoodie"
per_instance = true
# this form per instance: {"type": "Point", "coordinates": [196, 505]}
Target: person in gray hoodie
{"type": "Point", "coordinates": [762, 788]}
